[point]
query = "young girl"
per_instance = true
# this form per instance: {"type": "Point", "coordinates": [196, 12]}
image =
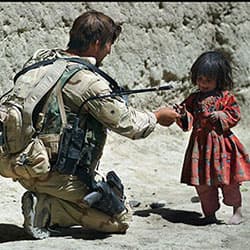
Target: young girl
{"type": "Point", "coordinates": [215, 158]}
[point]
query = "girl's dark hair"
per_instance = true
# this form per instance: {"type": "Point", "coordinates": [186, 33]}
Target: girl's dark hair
{"type": "Point", "coordinates": [214, 65]}
{"type": "Point", "coordinates": [90, 27]}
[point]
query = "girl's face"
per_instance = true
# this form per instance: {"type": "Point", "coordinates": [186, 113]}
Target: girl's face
{"type": "Point", "coordinates": [206, 84]}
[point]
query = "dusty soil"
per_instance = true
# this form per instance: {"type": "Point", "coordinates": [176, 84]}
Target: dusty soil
{"type": "Point", "coordinates": [150, 170]}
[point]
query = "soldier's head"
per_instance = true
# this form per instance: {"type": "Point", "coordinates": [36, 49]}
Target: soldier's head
{"type": "Point", "coordinates": [92, 34]}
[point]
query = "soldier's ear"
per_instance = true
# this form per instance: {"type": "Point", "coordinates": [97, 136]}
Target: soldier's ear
{"type": "Point", "coordinates": [97, 45]}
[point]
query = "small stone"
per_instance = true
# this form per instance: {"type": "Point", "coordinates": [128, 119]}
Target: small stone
{"type": "Point", "coordinates": [195, 199]}
{"type": "Point", "coordinates": [134, 203]}
{"type": "Point", "coordinates": [157, 204]}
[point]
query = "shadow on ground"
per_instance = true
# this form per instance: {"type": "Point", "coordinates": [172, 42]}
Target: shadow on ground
{"type": "Point", "coordinates": [10, 232]}
{"type": "Point", "coordinates": [176, 216]}
{"type": "Point", "coordinates": [78, 233]}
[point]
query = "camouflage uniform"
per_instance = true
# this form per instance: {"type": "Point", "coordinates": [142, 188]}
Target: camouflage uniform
{"type": "Point", "coordinates": [62, 194]}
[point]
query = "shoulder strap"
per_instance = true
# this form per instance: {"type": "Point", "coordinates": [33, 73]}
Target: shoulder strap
{"type": "Point", "coordinates": [56, 94]}
{"type": "Point", "coordinates": [46, 83]}
{"type": "Point", "coordinates": [46, 86]}
{"type": "Point", "coordinates": [113, 84]}
{"type": "Point", "coordinates": [41, 89]}
{"type": "Point", "coordinates": [62, 81]}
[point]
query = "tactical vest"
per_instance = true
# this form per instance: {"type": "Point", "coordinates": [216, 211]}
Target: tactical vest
{"type": "Point", "coordinates": [28, 107]}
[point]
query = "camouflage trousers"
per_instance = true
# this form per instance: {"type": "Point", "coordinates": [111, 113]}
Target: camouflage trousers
{"type": "Point", "coordinates": [62, 195]}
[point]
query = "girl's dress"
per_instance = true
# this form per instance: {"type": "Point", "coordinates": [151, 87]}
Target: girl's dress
{"type": "Point", "coordinates": [214, 154]}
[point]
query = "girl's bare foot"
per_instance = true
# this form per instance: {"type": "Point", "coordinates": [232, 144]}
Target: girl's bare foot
{"type": "Point", "coordinates": [237, 217]}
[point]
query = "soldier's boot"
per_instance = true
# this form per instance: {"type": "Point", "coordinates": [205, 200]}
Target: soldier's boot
{"type": "Point", "coordinates": [34, 222]}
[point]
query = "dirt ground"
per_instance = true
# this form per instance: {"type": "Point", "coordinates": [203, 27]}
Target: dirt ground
{"type": "Point", "coordinates": [150, 170]}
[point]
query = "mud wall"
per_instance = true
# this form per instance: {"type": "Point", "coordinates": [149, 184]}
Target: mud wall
{"type": "Point", "coordinates": [158, 44]}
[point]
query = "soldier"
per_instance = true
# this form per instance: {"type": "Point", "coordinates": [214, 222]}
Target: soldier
{"type": "Point", "coordinates": [57, 197]}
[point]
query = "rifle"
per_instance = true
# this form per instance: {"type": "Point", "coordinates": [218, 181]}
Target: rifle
{"type": "Point", "coordinates": [117, 90]}
{"type": "Point", "coordinates": [124, 93]}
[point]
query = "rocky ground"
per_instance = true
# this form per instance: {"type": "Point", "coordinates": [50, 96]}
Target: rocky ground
{"type": "Point", "coordinates": [150, 170]}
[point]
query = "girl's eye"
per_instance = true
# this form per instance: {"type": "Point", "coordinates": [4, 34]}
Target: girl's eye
{"type": "Point", "coordinates": [205, 80]}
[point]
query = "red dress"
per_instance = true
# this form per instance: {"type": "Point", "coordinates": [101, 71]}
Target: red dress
{"type": "Point", "coordinates": [214, 154]}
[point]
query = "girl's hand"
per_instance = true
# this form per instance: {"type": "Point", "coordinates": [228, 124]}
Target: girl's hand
{"type": "Point", "coordinates": [213, 117]}
{"type": "Point", "coordinates": [180, 109]}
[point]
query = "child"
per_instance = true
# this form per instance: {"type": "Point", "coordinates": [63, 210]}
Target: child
{"type": "Point", "coordinates": [215, 158]}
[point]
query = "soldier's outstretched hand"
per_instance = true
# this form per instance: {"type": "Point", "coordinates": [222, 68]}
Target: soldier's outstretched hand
{"type": "Point", "coordinates": [166, 116]}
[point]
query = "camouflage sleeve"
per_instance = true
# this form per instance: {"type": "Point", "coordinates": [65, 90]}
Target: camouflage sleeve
{"type": "Point", "coordinates": [116, 115]}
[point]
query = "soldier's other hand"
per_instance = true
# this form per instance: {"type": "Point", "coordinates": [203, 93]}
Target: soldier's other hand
{"type": "Point", "coordinates": [166, 116]}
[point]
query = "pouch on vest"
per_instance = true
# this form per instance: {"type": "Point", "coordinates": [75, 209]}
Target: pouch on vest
{"type": "Point", "coordinates": [32, 162]}
{"type": "Point", "coordinates": [14, 139]}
